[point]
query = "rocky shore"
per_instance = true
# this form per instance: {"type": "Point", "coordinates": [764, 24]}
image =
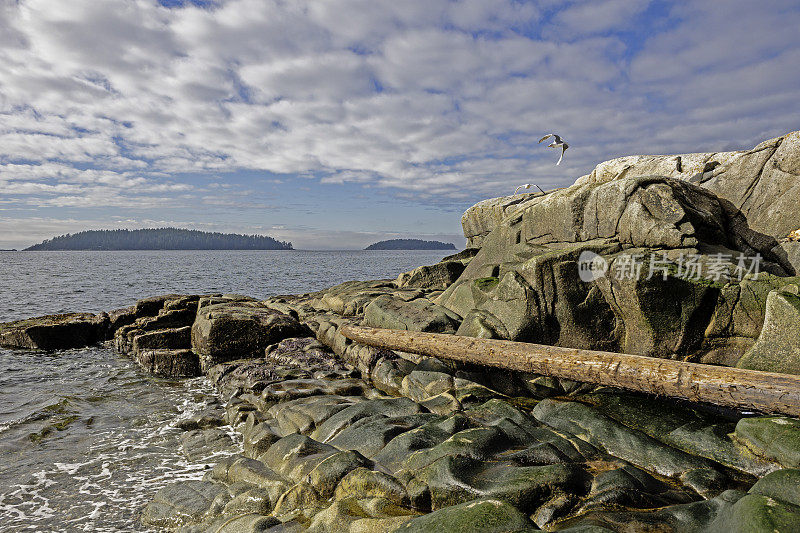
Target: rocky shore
{"type": "Point", "coordinates": [691, 257]}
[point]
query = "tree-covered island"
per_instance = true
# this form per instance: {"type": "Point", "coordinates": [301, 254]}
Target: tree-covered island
{"type": "Point", "coordinates": [160, 239]}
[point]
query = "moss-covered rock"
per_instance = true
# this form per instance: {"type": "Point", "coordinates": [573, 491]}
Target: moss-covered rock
{"type": "Point", "coordinates": [366, 483]}
{"type": "Point", "coordinates": [680, 426]}
{"type": "Point", "coordinates": [170, 363]}
{"type": "Point", "coordinates": [618, 440]}
{"type": "Point", "coordinates": [772, 504]}
{"type": "Point", "coordinates": [776, 438]}
{"type": "Point", "coordinates": [478, 516]}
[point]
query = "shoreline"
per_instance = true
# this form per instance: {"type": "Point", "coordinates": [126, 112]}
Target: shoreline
{"type": "Point", "coordinates": [641, 257]}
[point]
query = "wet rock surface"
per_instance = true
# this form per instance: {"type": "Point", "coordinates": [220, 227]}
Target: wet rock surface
{"type": "Point", "coordinates": [323, 450]}
{"type": "Point", "coordinates": [54, 332]}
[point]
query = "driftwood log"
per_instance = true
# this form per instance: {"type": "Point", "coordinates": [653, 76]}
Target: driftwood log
{"type": "Point", "coordinates": [730, 387]}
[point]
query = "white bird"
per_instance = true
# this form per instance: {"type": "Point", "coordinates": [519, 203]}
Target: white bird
{"type": "Point", "coordinates": [557, 143]}
{"type": "Point", "coordinates": [528, 186]}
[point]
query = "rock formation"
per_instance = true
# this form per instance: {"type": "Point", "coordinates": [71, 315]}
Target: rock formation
{"type": "Point", "coordinates": [648, 255]}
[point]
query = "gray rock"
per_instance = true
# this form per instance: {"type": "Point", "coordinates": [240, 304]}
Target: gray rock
{"type": "Point", "coordinates": [184, 502]}
{"type": "Point", "coordinates": [778, 346]}
{"type": "Point", "coordinates": [305, 414]}
{"type": "Point", "coordinates": [242, 469]}
{"type": "Point", "coordinates": [776, 438]}
{"type": "Point", "coordinates": [694, 517]}
{"type": "Point", "coordinates": [326, 475]}
{"type": "Point", "coordinates": [200, 444]}
{"type": "Point", "coordinates": [255, 500]}
{"type": "Point", "coordinates": [760, 182]}
{"type": "Point", "coordinates": [368, 515]}
{"type": "Point", "coordinates": [691, 430]}
{"type": "Point", "coordinates": [615, 439]}
{"type": "Point", "coordinates": [168, 338]}
{"type": "Point", "coordinates": [152, 305]}
{"type": "Point", "coordinates": [238, 523]}
{"type": "Point", "coordinates": [365, 483]}
{"type": "Point", "coordinates": [353, 413]}
{"type": "Point", "coordinates": [295, 456]}
{"type": "Point", "coordinates": [370, 435]}
{"type": "Point", "coordinates": [438, 276]}
{"type": "Point", "coordinates": [478, 516]}
{"type": "Point", "coordinates": [170, 363]}
{"type": "Point", "coordinates": [417, 315]}
{"type": "Point", "coordinates": [227, 331]}
{"type": "Point", "coordinates": [772, 504]}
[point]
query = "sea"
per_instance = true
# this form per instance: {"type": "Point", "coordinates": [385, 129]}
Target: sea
{"type": "Point", "coordinates": [86, 437]}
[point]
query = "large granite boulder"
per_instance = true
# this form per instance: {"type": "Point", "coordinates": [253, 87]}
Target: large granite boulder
{"type": "Point", "coordinates": [231, 330]}
{"type": "Point", "coordinates": [738, 318]}
{"type": "Point", "coordinates": [761, 183]}
{"type": "Point", "coordinates": [54, 332]}
{"type": "Point", "coordinates": [778, 346]}
{"type": "Point", "coordinates": [526, 282]}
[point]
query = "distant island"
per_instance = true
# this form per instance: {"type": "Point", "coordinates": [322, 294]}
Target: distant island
{"type": "Point", "coordinates": [160, 239]}
{"type": "Point", "coordinates": [410, 244]}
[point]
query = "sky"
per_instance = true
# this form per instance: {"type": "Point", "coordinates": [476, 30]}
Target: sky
{"type": "Point", "coordinates": [337, 123]}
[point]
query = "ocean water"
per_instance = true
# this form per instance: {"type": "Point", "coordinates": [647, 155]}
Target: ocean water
{"type": "Point", "coordinates": [86, 437]}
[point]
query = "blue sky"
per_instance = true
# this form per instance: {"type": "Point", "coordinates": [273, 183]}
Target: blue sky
{"type": "Point", "coordinates": [336, 123]}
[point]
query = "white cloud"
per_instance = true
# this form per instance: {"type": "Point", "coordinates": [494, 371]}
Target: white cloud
{"type": "Point", "coordinates": [113, 103]}
{"type": "Point", "coordinates": [598, 16]}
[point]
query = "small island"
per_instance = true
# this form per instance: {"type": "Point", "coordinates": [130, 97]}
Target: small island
{"type": "Point", "coordinates": [410, 244]}
{"type": "Point", "coordinates": [159, 239]}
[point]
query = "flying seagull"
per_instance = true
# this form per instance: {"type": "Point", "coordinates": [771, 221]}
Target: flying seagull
{"type": "Point", "coordinates": [528, 186]}
{"type": "Point", "coordinates": [557, 143]}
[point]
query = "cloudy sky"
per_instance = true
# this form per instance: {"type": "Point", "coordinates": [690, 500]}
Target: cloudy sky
{"type": "Point", "coordinates": [335, 123]}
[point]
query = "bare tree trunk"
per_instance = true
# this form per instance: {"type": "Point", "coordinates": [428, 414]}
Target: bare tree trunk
{"type": "Point", "coordinates": [730, 387]}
